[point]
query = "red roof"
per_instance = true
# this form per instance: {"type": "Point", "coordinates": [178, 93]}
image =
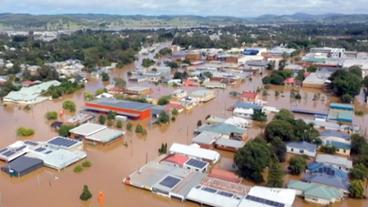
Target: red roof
{"type": "Point", "coordinates": [177, 159]}
{"type": "Point", "coordinates": [289, 80]}
{"type": "Point", "coordinates": [249, 95]}
{"type": "Point", "coordinates": [224, 175]}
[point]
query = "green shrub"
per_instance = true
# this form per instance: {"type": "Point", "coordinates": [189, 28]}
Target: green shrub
{"type": "Point", "coordinates": [87, 164]}
{"type": "Point", "coordinates": [129, 126]}
{"type": "Point", "coordinates": [86, 194]}
{"type": "Point", "coordinates": [78, 169]}
{"type": "Point", "coordinates": [51, 115]}
{"type": "Point", "coordinates": [25, 132]}
{"type": "Point", "coordinates": [69, 106]}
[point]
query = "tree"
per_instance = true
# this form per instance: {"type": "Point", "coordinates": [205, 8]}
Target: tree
{"type": "Point", "coordinates": [279, 128]}
{"type": "Point", "coordinates": [111, 115]}
{"type": "Point", "coordinates": [329, 149]}
{"type": "Point", "coordinates": [346, 98]}
{"type": "Point", "coordinates": [357, 144]}
{"type": "Point", "coordinates": [147, 62]}
{"type": "Point", "coordinates": [285, 115]}
{"type": "Point", "coordinates": [279, 149]}
{"type": "Point", "coordinates": [88, 96]}
{"type": "Point", "coordinates": [312, 69]}
{"type": "Point", "coordinates": [359, 172]}
{"type": "Point", "coordinates": [64, 130]}
{"type": "Point", "coordinates": [199, 123]}
{"type": "Point", "coordinates": [259, 115]}
{"type": "Point", "coordinates": [297, 165]}
{"type": "Point", "coordinates": [25, 132]}
{"type": "Point", "coordinates": [174, 112]}
{"type": "Point", "coordinates": [86, 194]}
{"type": "Point", "coordinates": [163, 100]}
{"type": "Point", "coordinates": [163, 149]}
{"type": "Point", "coordinates": [51, 115]}
{"type": "Point", "coordinates": [69, 106]}
{"type": "Point", "coordinates": [344, 82]}
{"type": "Point", "coordinates": [252, 159]}
{"type": "Point", "coordinates": [275, 175]}
{"type": "Point", "coordinates": [129, 126]}
{"type": "Point", "coordinates": [102, 119]}
{"type": "Point", "coordinates": [105, 77]}
{"type": "Point", "coordinates": [163, 118]}
{"type": "Point", "coordinates": [356, 189]}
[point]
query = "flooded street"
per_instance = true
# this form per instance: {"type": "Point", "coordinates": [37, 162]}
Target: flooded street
{"type": "Point", "coordinates": [111, 163]}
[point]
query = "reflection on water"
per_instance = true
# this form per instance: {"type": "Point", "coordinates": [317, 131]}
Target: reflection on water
{"type": "Point", "coordinates": [112, 162]}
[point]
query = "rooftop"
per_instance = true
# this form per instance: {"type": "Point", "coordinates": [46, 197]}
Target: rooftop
{"type": "Point", "coordinates": [105, 135]}
{"type": "Point", "coordinates": [334, 133]}
{"type": "Point", "coordinates": [272, 197]}
{"type": "Point", "coordinates": [206, 137]}
{"type": "Point", "coordinates": [334, 160]}
{"type": "Point", "coordinates": [87, 129]}
{"type": "Point", "coordinates": [303, 145]}
{"type": "Point", "coordinates": [316, 190]}
{"type": "Point", "coordinates": [236, 144]}
{"type": "Point", "coordinates": [122, 104]}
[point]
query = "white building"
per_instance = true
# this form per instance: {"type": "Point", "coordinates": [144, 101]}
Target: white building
{"type": "Point", "coordinates": [195, 151]}
{"type": "Point", "coordinates": [268, 197]}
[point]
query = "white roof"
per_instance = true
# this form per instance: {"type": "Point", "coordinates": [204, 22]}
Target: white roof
{"type": "Point", "coordinates": [211, 199]}
{"type": "Point", "coordinates": [334, 160]}
{"type": "Point", "coordinates": [243, 111]}
{"type": "Point", "coordinates": [284, 196]}
{"type": "Point", "coordinates": [193, 151]}
{"type": "Point", "coordinates": [87, 129]}
{"type": "Point", "coordinates": [237, 121]}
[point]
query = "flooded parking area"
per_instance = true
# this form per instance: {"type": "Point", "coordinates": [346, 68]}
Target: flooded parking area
{"type": "Point", "coordinates": [111, 163]}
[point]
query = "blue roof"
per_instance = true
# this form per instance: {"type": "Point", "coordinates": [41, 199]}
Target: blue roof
{"type": "Point", "coordinates": [196, 163]}
{"type": "Point", "coordinates": [22, 165]}
{"type": "Point", "coordinates": [123, 104]}
{"type": "Point", "coordinates": [329, 180]}
{"type": "Point", "coordinates": [339, 145]}
{"type": "Point", "coordinates": [334, 133]}
{"type": "Point", "coordinates": [342, 106]}
{"type": "Point", "coordinates": [316, 167]}
{"type": "Point", "coordinates": [62, 142]}
{"type": "Point", "coordinates": [303, 145]}
{"type": "Point", "coordinates": [247, 105]}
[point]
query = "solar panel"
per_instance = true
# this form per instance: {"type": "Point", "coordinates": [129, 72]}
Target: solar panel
{"type": "Point", "coordinates": [31, 143]}
{"type": "Point", "coordinates": [60, 141]}
{"type": "Point", "coordinates": [196, 163]}
{"type": "Point", "coordinates": [8, 153]}
{"type": "Point", "coordinates": [227, 194]}
{"type": "Point", "coordinates": [48, 152]}
{"type": "Point", "coordinates": [20, 148]}
{"type": "Point", "coordinates": [3, 150]}
{"type": "Point", "coordinates": [40, 149]}
{"type": "Point", "coordinates": [170, 181]}
{"type": "Point", "coordinates": [211, 190]}
{"type": "Point", "coordinates": [265, 201]}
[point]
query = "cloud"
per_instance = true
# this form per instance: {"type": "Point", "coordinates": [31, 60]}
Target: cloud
{"type": "Point", "coordinates": [243, 8]}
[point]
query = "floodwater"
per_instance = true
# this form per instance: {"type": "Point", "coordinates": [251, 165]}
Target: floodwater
{"type": "Point", "coordinates": [47, 187]}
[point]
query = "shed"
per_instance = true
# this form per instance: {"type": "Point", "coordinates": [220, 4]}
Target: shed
{"type": "Point", "coordinates": [196, 152]}
{"type": "Point", "coordinates": [87, 129]}
{"type": "Point", "coordinates": [106, 135]}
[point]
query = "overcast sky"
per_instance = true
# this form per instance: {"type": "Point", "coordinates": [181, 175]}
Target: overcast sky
{"type": "Point", "coordinates": [241, 8]}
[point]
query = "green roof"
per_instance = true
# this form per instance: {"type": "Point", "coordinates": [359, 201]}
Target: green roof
{"type": "Point", "coordinates": [316, 190]}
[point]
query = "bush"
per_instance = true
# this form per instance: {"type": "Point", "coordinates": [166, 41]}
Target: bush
{"type": "Point", "coordinates": [140, 129]}
{"type": "Point", "coordinates": [328, 149]}
{"type": "Point", "coordinates": [86, 194]}
{"type": "Point", "coordinates": [174, 112]}
{"type": "Point", "coordinates": [86, 164]}
{"type": "Point", "coordinates": [25, 132]}
{"type": "Point", "coordinates": [102, 119]}
{"type": "Point", "coordinates": [105, 77]}
{"type": "Point", "coordinates": [163, 118]}
{"type": "Point", "coordinates": [346, 98]}
{"type": "Point", "coordinates": [356, 189]}
{"type": "Point", "coordinates": [259, 115]}
{"type": "Point", "coordinates": [163, 149]}
{"type": "Point", "coordinates": [69, 106]}
{"type": "Point", "coordinates": [78, 169]}
{"type": "Point", "coordinates": [51, 115]}
{"type": "Point", "coordinates": [110, 123]}
{"type": "Point", "coordinates": [129, 126]}
{"type": "Point", "coordinates": [119, 124]}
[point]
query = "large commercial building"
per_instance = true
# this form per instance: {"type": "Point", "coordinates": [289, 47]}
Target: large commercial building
{"type": "Point", "coordinates": [133, 110]}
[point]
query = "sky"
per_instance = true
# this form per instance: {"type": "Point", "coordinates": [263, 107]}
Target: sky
{"type": "Point", "coordinates": [239, 8]}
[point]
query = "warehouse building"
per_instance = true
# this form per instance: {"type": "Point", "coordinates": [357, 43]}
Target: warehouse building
{"type": "Point", "coordinates": [22, 166]}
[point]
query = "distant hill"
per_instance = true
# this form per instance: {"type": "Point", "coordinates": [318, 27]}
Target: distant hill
{"type": "Point", "coordinates": [113, 22]}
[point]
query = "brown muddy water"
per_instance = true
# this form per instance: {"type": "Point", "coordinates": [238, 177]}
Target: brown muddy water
{"type": "Point", "coordinates": [47, 187]}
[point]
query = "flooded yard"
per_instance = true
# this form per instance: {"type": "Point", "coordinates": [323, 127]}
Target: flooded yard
{"type": "Point", "coordinates": [111, 163]}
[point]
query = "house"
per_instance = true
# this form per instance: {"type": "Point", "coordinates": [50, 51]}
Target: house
{"type": "Point", "coordinates": [249, 96]}
{"type": "Point", "coordinates": [229, 144]}
{"type": "Point", "coordinates": [22, 166]}
{"type": "Point", "coordinates": [268, 197]}
{"type": "Point", "coordinates": [243, 113]}
{"type": "Point", "coordinates": [194, 151]}
{"type": "Point", "coordinates": [131, 109]}
{"type": "Point", "coordinates": [302, 148]}
{"type": "Point", "coordinates": [80, 118]}
{"type": "Point", "coordinates": [226, 130]}
{"type": "Point", "coordinates": [338, 162]}
{"type": "Point", "coordinates": [137, 90]}
{"type": "Point", "coordinates": [328, 175]}
{"type": "Point", "coordinates": [96, 133]}
{"type": "Point", "coordinates": [216, 192]}
{"type": "Point", "coordinates": [13, 151]}
{"type": "Point", "coordinates": [203, 95]}
{"type": "Point", "coordinates": [316, 193]}
{"type": "Point", "coordinates": [237, 121]}
{"type": "Point", "coordinates": [206, 139]}
{"type": "Point", "coordinates": [197, 165]}
{"type": "Point", "coordinates": [341, 113]}
{"type": "Point", "coordinates": [30, 95]}
{"type": "Point", "coordinates": [214, 85]}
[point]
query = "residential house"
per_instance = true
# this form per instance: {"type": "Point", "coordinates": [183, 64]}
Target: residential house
{"type": "Point", "coordinates": [302, 148]}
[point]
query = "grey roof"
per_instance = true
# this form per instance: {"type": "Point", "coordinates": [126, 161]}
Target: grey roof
{"type": "Point", "coordinates": [123, 104]}
{"type": "Point", "coordinates": [325, 179]}
{"type": "Point", "coordinates": [105, 135]}
{"type": "Point", "coordinates": [230, 143]}
{"type": "Point", "coordinates": [334, 133]}
{"type": "Point", "coordinates": [303, 145]}
{"type": "Point", "coordinates": [206, 137]}
{"type": "Point", "coordinates": [222, 128]}
{"type": "Point", "coordinates": [189, 182]}
{"type": "Point", "coordinates": [87, 129]}
{"type": "Point", "coordinates": [334, 160]}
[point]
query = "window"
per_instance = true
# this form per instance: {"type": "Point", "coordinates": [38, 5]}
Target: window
{"type": "Point", "coordinates": [301, 151]}
{"type": "Point", "coordinates": [292, 149]}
